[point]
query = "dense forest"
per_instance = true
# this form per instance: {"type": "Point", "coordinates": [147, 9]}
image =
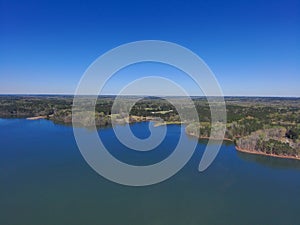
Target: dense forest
{"type": "Point", "coordinates": [266, 125]}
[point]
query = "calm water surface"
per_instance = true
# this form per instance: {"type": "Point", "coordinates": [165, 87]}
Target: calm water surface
{"type": "Point", "coordinates": [44, 180]}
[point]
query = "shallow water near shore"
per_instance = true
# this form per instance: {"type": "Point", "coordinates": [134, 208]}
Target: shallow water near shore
{"type": "Point", "coordinates": [45, 180]}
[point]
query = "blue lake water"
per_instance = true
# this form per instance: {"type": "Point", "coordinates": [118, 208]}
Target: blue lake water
{"type": "Point", "coordinates": [45, 180]}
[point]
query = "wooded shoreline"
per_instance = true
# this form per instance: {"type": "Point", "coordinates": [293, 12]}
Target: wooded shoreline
{"type": "Point", "coordinates": [265, 154]}
{"type": "Point", "coordinates": [239, 149]}
{"type": "Point", "coordinates": [263, 125]}
{"type": "Point", "coordinates": [246, 150]}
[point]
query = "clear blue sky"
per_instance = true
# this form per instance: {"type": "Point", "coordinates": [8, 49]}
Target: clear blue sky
{"type": "Point", "coordinates": [253, 47]}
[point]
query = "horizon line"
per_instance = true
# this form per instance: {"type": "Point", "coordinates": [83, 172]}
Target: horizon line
{"type": "Point", "coordinates": [225, 96]}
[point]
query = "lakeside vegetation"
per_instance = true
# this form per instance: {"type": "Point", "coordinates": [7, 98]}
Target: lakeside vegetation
{"type": "Point", "coordinates": [261, 125]}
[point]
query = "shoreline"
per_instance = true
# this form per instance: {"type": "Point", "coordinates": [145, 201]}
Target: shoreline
{"type": "Point", "coordinates": [207, 138]}
{"type": "Point", "coordinates": [158, 124]}
{"type": "Point", "coordinates": [237, 148]}
{"type": "Point", "coordinates": [253, 152]}
{"type": "Point", "coordinates": [36, 118]}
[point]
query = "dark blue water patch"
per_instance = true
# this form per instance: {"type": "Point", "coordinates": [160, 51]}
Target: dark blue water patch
{"type": "Point", "coordinates": [45, 180]}
{"type": "Point", "coordinates": [141, 158]}
{"type": "Point", "coordinates": [136, 129]}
